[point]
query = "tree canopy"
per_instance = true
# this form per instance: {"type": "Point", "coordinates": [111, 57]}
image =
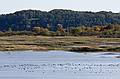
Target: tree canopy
{"type": "Point", "coordinates": [28, 19]}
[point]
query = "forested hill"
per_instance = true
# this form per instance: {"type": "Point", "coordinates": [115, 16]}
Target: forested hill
{"type": "Point", "coordinates": [27, 19]}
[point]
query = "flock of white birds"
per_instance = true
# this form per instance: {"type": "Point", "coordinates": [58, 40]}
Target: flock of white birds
{"type": "Point", "coordinates": [59, 64]}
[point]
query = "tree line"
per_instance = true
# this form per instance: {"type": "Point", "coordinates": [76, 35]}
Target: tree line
{"type": "Point", "coordinates": [107, 31]}
{"type": "Point", "coordinates": [59, 22]}
{"type": "Point", "coordinates": [26, 20]}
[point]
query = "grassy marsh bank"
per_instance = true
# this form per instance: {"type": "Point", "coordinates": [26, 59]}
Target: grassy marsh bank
{"type": "Point", "coordinates": [69, 43]}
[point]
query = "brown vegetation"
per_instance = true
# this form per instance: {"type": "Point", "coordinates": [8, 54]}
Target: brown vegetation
{"type": "Point", "coordinates": [68, 43]}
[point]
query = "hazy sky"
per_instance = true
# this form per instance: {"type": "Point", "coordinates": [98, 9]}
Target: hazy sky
{"type": "Point", "coordinates": [10, 6]}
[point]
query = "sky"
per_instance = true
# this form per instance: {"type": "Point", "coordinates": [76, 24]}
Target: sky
{"type": "Point", "coordinates": [10, 6]}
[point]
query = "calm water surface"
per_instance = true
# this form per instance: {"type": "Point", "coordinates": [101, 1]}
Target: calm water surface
{"type": "Point", "coordinates": [59, 65]}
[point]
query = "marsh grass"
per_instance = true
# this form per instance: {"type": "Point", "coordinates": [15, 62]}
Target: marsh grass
{"type": "Point", "coordinates": [69, 43]}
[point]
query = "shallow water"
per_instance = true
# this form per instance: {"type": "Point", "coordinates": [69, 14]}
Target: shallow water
{"type": "Point", "coordinates": [59, 65]}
